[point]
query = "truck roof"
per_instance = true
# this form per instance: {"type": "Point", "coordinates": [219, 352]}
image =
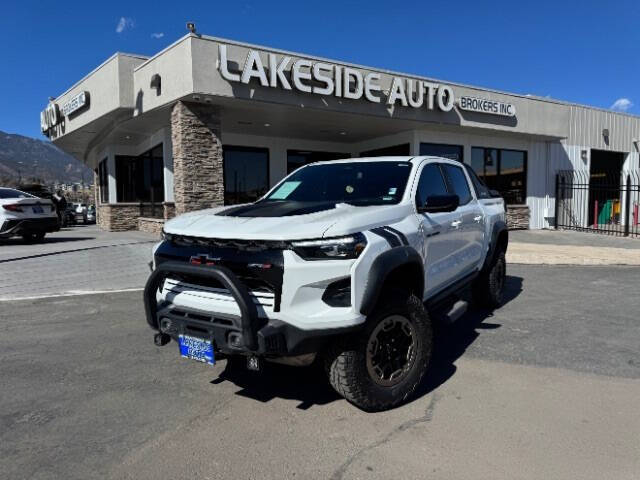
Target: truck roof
{"type": "Point", "coordinates": [400, 158]}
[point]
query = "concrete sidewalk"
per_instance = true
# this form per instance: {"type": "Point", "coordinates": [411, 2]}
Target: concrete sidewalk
{"type": "Point", "coordinates": [71, 239]}
{"type": "Point", "coordinates": [552, 247]}
{"type": "Point", "coordinates": [75, 260]}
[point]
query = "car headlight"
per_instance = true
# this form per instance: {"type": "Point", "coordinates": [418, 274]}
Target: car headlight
{"type": "Point", "coordinates": [339, 248]}
{"type": "Point", "coordinates": [167, 236]}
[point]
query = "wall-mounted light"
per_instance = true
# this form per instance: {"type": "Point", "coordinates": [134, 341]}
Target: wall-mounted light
{"type": "Point", "coordinates": [605, 132]}
{"type": "Point", "coordinates": [156, 83]}
{"type": "Point", "coordinates": [584, 155]}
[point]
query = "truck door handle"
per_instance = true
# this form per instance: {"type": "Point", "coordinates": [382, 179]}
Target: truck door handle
{"type": "Point", "coordinates": [456, 223]}
{"type": "Point", "coordinates": [477, 219]}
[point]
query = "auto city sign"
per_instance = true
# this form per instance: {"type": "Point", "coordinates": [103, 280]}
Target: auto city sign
{"type": "Point", "coordinates": [51, 118]}
{"type": "Point", "coordinates": [323, 78]}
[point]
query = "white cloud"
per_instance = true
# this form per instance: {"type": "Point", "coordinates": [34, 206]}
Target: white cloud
{"type": "Point", "coordinates": [157, 35]}
{"type": "Point", "coordinates": [622, 105]}
{"type": "Point", "coordinates": [123, 24]}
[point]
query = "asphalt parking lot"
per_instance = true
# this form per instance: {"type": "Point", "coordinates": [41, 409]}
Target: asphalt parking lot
{"type": "Point", "coordinates": [545, 387]}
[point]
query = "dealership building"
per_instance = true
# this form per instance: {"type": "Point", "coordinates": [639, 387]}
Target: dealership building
{"type": "Point", "coordinates": [209, 121]}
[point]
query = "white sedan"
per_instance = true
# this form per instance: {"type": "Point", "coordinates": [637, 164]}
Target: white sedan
{"type": "Point", "coordinates": [22, 214]}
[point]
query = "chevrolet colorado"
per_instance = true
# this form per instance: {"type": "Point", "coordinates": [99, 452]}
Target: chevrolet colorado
{"type": "Point", "coordinates": [349, 261]}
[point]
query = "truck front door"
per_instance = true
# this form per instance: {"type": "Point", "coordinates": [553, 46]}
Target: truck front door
{"type": "Point", "coordinates": [437, 230]}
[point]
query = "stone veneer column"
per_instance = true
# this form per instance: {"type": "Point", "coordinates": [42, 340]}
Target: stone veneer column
{"type": "Point", "coordinates": [197, 157]}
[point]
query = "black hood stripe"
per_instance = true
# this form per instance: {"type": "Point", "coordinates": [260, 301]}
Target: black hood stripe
{"type": "Point", "coordinates": [274, 208]}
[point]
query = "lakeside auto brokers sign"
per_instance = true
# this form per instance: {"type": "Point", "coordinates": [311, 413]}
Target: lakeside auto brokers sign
{"type": "Point", "coordinates": [483, 105]}
{"type": "Point", "coordinates": [322, 78]}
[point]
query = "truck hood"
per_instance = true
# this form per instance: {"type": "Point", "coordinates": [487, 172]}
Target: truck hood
{"type": "Point", "coordinates": [339, 219]}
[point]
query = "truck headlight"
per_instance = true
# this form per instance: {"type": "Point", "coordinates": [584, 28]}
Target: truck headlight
{"type": "Point", "coordinates": [339, 248]}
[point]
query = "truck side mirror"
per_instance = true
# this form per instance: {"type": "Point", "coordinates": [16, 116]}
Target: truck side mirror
{"type": "Point", "coordinates": [440, 203]}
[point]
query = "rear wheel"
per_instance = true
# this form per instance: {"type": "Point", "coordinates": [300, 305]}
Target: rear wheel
{"type": "Point", "coordinates": [33, 237]}
{"type": "Point", "coordinates": [383, 365]}
{"type": "Point", "coordinates": [488, 289]}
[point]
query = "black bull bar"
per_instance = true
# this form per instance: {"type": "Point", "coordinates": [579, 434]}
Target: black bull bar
{"type": "Point", "coordinates": [248, 310]}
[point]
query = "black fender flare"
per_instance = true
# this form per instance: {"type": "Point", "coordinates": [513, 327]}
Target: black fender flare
{"type": "Point", "coordinates": [384, 264]}
{"type": "Point", "coordinates": [498, 228]}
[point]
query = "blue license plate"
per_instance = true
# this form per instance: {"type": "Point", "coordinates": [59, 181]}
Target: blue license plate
{"type": "Point", "coordinates": [38, 209]}
{"type": "Point", "coordinates": [197, 349]}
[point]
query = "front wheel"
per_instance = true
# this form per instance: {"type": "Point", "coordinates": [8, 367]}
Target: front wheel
{"type": "Point", "coordinates": [383, 365]}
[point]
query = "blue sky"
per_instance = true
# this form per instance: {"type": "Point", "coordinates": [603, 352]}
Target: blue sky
{"type": "Point", "coordinates": [585, 52]}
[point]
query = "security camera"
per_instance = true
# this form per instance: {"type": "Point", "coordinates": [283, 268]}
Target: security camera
{"type": "Point", "coordinates": [191, 27]}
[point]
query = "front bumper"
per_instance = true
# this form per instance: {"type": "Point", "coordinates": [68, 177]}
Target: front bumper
{"type": "Point", "coordinates": [14, 227]}
{"type": "Point", "coordinates": [243, 333]}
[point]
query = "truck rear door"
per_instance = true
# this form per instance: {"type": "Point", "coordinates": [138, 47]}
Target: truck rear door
{"type": "Point", "coordinates": [470, 224]}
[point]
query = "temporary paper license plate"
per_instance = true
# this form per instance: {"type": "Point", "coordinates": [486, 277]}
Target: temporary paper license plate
{"type": "Point", "coordinates": [196, 349]}
{"type": "Point", "coordinates": [38, 209]}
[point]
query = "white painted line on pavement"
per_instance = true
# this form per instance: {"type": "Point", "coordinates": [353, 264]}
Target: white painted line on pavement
{"type": "Point", "coordinates": [72, 293]}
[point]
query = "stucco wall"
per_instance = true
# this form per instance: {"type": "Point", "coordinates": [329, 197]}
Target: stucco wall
{"type": "Point", "coordinates": [109, 87]}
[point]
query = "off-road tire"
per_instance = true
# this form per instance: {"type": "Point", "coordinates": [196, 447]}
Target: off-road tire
{"type": "Point", "coordinates": [488, 288]}
{"type": "Point", "coordinates": [346, 361]}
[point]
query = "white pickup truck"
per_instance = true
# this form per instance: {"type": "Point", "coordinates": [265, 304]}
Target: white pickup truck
{"type": "Point", "coordinates": [350, 260]}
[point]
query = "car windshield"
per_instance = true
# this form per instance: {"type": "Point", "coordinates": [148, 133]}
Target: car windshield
{"type": "Point", "coordinates": [355, 183]}
{"type": "Point", "coordinates": [11, 193]}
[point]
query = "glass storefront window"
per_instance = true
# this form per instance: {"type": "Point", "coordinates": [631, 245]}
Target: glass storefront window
{"type": "Point", "coordinates": [103, 181]}
{"type": "Point", "coordinates": [140, 178]}
{"type": "Point", "coordinates": [246, 174]}
{"type": "Point", "coordinates": [452, 152]}
{"type": "Point", "coordinates": [299, 158]}
{"type": "Point", "coordinates": [513, 179]}
{"type": "Point", "coordinates": [502, 170]}
{"type": "Point", "coordinates": [397, 150]}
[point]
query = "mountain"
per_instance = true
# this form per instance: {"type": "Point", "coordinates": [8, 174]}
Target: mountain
{"type": "Point", "coordinates": [31, 159]}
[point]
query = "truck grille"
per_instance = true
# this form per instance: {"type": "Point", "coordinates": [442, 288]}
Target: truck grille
{"type": "Point", "coordinates": [240, 245]}
{"type": "Point", "coordinates": [245, 258]}
{"type": "Point", "coordinates": [216, 292]}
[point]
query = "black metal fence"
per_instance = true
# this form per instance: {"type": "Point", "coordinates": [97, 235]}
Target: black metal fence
{"type": "Point", "coordinates": [604, 202]}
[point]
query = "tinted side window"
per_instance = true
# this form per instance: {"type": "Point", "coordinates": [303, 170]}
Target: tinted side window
{"type": "Point", "coordinates": [458, 182]}
{"type": "Point", "coordinates": [430, 183]}
{"type": "Point", "coordinates": [11, 193]}
{"type": "Point", "coordinates": [482, 191]}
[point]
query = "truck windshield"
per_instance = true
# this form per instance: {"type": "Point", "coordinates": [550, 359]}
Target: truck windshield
{"type": "Point", "coordinates": [355, 183]}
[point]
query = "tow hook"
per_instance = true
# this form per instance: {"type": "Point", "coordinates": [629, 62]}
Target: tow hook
{"type": "Point", "coordinates": [161, 339]}
{"type": "Point", "coordinates": [253, 363]}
